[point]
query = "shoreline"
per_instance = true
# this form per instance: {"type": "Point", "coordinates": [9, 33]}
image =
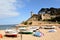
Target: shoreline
{"type": "Point", "coordinates": [47, 35]}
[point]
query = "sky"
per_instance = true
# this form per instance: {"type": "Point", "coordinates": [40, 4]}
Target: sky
{"type": "Point", "coordinates": [16, 11]}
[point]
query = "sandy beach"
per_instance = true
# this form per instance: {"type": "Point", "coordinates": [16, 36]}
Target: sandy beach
{"type": "Point", "coordinates": [47, 36]}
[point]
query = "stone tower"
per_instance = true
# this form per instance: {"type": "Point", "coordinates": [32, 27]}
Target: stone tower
{"type": "Point", "coordinates": [31, 13]}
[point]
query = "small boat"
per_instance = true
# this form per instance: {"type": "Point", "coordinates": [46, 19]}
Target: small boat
{"type": "Point", "coordinates": [27, 32]}
{"type": "Point", "coordinates": [23, 30]}
{"type": "Point", "coordinates": [52, 30]}
{"type": "Point", "coordinates": [49, 27]}
{"type": "Point", "coordinates": [33, 28]}
{"type": "Point", "coordinates": [11, 33]}
{"type": "Point", "coordinates": [38, 34]}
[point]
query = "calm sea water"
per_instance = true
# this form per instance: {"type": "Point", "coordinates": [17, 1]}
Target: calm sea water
{"type": "Point", "coordinates": [3, 27]}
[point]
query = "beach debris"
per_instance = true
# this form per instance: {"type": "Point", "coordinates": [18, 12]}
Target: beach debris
{"type": "Point", "coordinates": [1, 36]}
{"type": "Point", "coordinates": [52, 30]}
{"type": "Point", "coordinates": [11, 33]}
{"type": "Point", "coordinates": [38, 34]}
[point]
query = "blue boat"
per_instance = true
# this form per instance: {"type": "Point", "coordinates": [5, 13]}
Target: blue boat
{"type": "Point", "coordinates": [38, 34]}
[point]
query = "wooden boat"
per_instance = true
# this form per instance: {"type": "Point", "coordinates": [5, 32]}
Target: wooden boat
{"type": "Point", "coordinates": [27, 32]}
{"type": "Point", "coordinates": [11, 33]}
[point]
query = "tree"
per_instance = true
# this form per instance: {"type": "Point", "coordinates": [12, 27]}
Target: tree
{"type": "Point", "coordinates": [25, 23]}
{"type": "Point", "coordinates": [30, 23]}
{"type": "Point", "coordinates": [53, 11]}
{"type": "Point", "coordinates": [42, 10]}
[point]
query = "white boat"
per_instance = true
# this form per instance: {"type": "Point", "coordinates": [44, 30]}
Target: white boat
{"type": "Point", "coordinates": [49, 27]}
{"type": "Point", "coordinates": [11, 33]}
{"type": "Point", "coordinates": [27, 32]}
{"type": "Point", "coordinates": [34, 28]}
{"type": "Point", "coordinates": [24, 30]}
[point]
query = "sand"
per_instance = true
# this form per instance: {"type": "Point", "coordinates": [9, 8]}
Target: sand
{"type": "Point", "coordinates": [47, 36]}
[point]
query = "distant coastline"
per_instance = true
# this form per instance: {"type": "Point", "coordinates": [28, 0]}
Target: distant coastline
{"type": "Point", "coordinates": [3, 27]}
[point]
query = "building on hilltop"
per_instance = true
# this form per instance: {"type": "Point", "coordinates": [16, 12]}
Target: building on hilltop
{"type": "Point", "coordinates": [43, 14]}
{"type": "Point", "coordinates": [36, 19]}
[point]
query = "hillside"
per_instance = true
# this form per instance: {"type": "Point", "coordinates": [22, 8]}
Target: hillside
{"type": "Point", "coordinates": [44, 16]}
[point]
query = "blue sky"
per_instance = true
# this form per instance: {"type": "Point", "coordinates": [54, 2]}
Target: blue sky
{"type": "Point", "coordinates": [16, 11]}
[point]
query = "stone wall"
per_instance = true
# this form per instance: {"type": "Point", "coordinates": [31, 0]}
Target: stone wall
{"type": "Point", "coordinates": [45, 16]}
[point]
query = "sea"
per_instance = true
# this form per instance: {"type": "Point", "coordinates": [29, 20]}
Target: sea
{"type": "Point", "coordinates": [4, 27]}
